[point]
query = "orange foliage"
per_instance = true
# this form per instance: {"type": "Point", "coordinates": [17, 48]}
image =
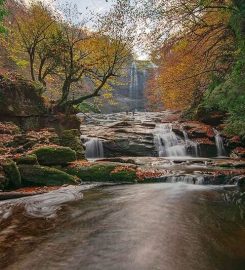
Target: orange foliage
{"type": "Point", "coordinates": [188, 60]}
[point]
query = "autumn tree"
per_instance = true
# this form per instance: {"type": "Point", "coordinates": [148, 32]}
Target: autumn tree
{"type": "Point", "coordinates": [30, 40]}
{"type": "Point", "coordinates": [196, 46]}
{"type": "Point", "coordinates": [62, 47]}
{"type": "Point", "coordinates": [98, 56]}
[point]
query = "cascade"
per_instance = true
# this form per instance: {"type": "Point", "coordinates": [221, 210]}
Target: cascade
{"type": "Point", "coordinates": [188, 179]}
{"type": "Point", "coordinates": [193, 146]}
{"type": "Point", "coordinates": [94, 148]}
{"type": "Point", "coordinates": [167, 143]}
{"type": "Point", "coordinates": [219, 144]}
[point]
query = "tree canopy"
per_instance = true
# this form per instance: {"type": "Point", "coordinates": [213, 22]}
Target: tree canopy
{"type": "Point", "coordinates": [63, 49]}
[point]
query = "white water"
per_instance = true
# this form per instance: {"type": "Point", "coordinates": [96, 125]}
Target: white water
{"type": "Point", "coordinates": [167, 143]}
{"type": "Point", "coordinates": [94, 148]}
{"type": "Point", "coordinates": [44, 205]}
{"type": "Point", "coordinates": [189, 143]}
{"type": "Point", "coordinates": [133, 81]}
{"type": "Point", "coordinates": [219, 144]}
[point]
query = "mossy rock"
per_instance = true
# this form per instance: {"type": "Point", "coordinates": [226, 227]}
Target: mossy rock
{"type": "Point", "coordinates": [71, 138]}
{"type": "Point", "coordinates": [58, 155]}
{"type": "Point", "coordinates": [12, 172]}
{"type": "Point", "coordinates": [36, 175]}
{"type": "Point", "coordinates": [102, 173]}
{"type": "Point", "coordinates": [28, 159]}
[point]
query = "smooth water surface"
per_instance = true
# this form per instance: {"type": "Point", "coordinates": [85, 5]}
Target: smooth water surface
{"type": "Point", "coordinates": [129, 227]}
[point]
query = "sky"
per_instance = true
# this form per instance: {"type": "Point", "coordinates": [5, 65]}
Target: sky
{"type": "Point", "coordinates": [100, 6]}
{"type": "Point", "coordinates": [85, 6]}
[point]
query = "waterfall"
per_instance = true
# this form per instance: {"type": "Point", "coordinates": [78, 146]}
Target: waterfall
{"type": "Point", "coordinates": [133, 88]}
{"type": "Point", "coordinates": [94, 148]}
{"type": "Point", "coordinates": [167, 142]}
{"type": "Point", "coordinates": [219, 144]}
{"type": "Point", "coordinates": [193, 146]}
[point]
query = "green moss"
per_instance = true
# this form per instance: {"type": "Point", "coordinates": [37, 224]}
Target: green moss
{"type": "Point", "coordinates": [28, 159]}
{"type": "Point", "coordinates": [101, 173]}
{"type": "Point", "coordinates": [71, 138]}
{"type": "Point", "coordinates": [45, 176]}
{"type": "Point", "coordinates": [55, 155]}
{"type": "Point", "coordinates": [12, 172]}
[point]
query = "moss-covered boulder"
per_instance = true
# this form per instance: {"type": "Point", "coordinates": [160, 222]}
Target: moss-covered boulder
{"type": "Point", "coordinates": [12, 173]}
{"type": "Point", "coordinates": [103, 172]}
{"type": "Point", "coordinates": [71, 138]}
{"type": "Point", "coordinates": [55, 155]}
{"type": "Point", "coordinates": [36, 175]}
{"type": "Point", "coordinates": [27, 159]}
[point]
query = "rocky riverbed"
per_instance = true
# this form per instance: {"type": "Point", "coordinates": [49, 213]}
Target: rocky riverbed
{"type": "Point", "coordinates": [120, 148]}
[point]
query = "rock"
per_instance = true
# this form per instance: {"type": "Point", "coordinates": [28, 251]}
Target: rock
{"type": "Point", "coordinates": [238, 180]}
{"type": "Point", "coordinates": [20, 98]}
{"type": "Point", "coordinates": [71, 138]}
{"type": "Point", "coordinates": [103, 172]}
{"type": "Point", "coordinates": [12, 173]}
{"type": "Point", "coordinates": [234, 142]}
{"type": "Point", "coordinates": [55, 155]}
{"type": "Point", "coordinates": [213, 118]}
{"type": "Point", "coordinates": [127, 147]}
{"type": "Point", "coordinates": [3, 181]}
{"type": "Point", "coordinates": [196, 129]}
{"type": "Point", "coordinates": [9, 128]}
{"type": "Point", "coordinates": [206, 147]}
{"type": "Point", "coordinates": [238, 152]}
{"type": "Point", "coordinates": [34, 175]}
{"type": "Point", "coordinates": [28, 159]}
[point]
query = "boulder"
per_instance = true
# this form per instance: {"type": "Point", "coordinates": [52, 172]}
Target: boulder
{"type": "Point", "coordinates": [55, 155]}
{"type": "Point", "coordinates": [238, 152]}
{"type": "Point", "coordinates": [12, 173]}
{"type": "Point", "coordinates": [36, 175]}
{"type": "Point", "coordinates": [20, 98]}
{"type": "Point", "coordinates": [71, 138]}
{"type": "Point", "coordinates": [3, 179]}
{"type": "Point", "coordinates": [128, 147]}
{"type": "Point", "coordinates": [27, 159]}
{"type": "Point", "coordinates": [103, 172]}
{"type": "Point", "coordinates": [238, 180]}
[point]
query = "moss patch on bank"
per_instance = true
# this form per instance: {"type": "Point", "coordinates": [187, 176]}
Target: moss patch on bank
{"type": "Point", "coordinates": [106, 172]}
{"type": "Point", "coordinates": [33, 175]}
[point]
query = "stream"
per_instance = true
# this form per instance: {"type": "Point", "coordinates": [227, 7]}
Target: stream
{"type": "Point", "coordinates": [149, 226]}
{"type": "Point", "coordinates": [189, 220]}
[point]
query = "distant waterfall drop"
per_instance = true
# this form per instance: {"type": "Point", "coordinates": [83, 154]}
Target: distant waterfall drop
{"type": "Point", "coordinates": [94, 148]}
{"type": "Point", "coordinates": [219, 144]}
{"type": "Point", "coordinates": [133, 88]}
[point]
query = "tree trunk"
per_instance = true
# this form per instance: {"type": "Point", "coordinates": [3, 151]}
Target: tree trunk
{"type": "Point", "coordinates": [32, 67]}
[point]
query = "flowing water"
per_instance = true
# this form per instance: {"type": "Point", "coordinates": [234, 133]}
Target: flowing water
{"type": "Point", "coordinates": [154, 226]}
{"type": "Point", "coordinates": [219, 144]}
{"type": "Point", "coordinates": [94, 148]}
{"type": "Point", "coordinates": [167, 142]}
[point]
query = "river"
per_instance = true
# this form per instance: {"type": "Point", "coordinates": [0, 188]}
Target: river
{"type": "Point", "coordinates": [125, 227]}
